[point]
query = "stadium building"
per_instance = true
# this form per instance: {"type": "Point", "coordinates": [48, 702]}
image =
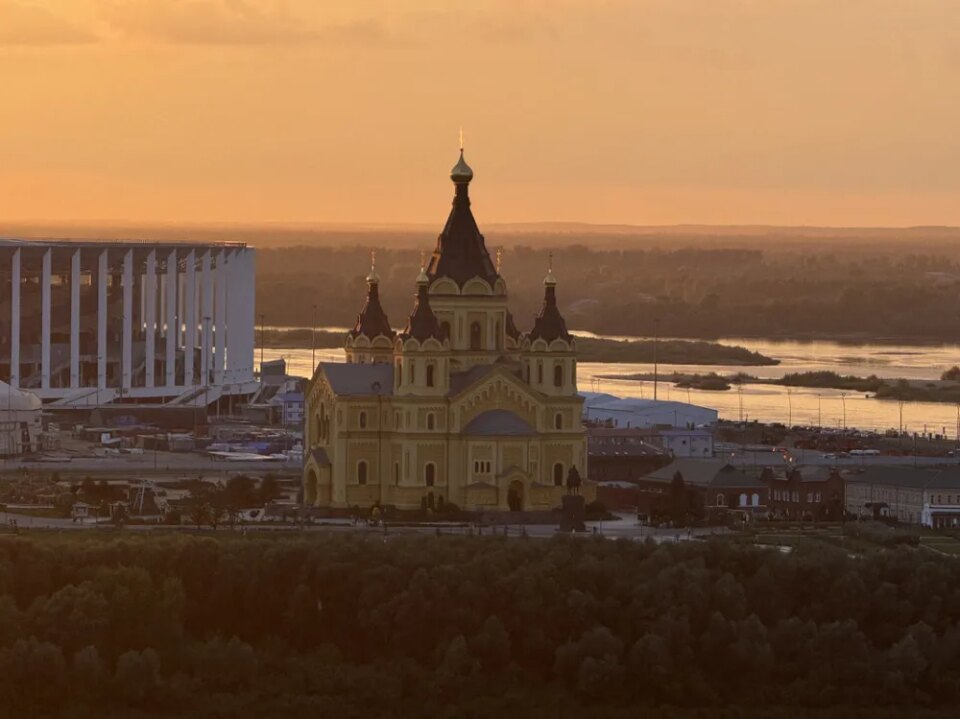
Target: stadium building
{"type": "Point", "coordinates": [86, 323]}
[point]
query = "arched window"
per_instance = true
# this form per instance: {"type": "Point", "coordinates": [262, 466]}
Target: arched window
{"type": "Point", "coordinates": [430, 421]}
{"type": "Point", "coordinates": [363, 420]}
{"type": "Point", "coordinates": [558, 421]}
{"type": "Point", "coordinates": [539, 371]}
{"type": "Point", "coordinates": [755, 500]}
{"type": "Point", "coordinates": [398, 375]}
{"type": "Point", "coordinates": [430, 370]}
{"type": "Point", "coordinates": [499, 337]}
{"type": "Point", "coordinates": [558, 375]}
{"type": "Point", "coordinates": [361, 472]}
{"type": "Point", "coordinates": [413, 372]}
{"type": "Point", "coordinates": [396, 473]}
{"type": "Point", "coordinates": [429, 474]}
{"type": "Point", "coordinates": [743, 500]}
{"type": "Point", "coordinates": [475, 339]}
{"type": "Point", "coordinates": [445, 327]}
{"type": "Point", "coordinates": [558, 474]}
{"type": "Point", "coordinates": [720, 500]}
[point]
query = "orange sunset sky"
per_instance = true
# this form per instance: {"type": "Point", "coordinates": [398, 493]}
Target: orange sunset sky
{"type": "Point", "coordinates": [831, 112]}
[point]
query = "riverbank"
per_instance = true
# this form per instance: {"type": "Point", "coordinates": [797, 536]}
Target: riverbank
{"type": "Point", "coordinates": [906, 390]}
{"type": "Point", "coordinates": [589, 349]}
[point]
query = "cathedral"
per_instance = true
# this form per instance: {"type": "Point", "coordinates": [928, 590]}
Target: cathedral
{"type": "Point", "coordinates": [460, 406]}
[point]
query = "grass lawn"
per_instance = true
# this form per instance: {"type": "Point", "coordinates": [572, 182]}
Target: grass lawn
{"type": "Point", "coordinates": [947, 545]}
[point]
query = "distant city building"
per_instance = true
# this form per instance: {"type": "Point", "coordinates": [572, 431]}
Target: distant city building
{"type": "Point", "coordinates": [720, 485]}
{"type": "Point", "coordinates": [930, 497]}
{"type": "Point", "coordinates": [805, 493]}
{"type": "Point", "coordinates": [631, 412]}
{"type": "Point", "coordinates": [292, 403]}
{"type": "Point", "coordinates": [458, 407]}
{"type": "Point", "coordinates": [86, 323]}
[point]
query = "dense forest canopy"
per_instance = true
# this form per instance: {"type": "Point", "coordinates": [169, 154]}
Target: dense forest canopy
{"type": "Point", "coordinates": [856, 291]}
{"type": "Point", "coordinates": [356, 625]}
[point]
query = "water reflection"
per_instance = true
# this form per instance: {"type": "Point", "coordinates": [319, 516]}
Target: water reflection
{"type": "Point", "coordinates": [772, 403]}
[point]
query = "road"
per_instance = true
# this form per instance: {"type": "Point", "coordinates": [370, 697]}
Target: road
{"type": "Point", "coordinates": [624, 527]}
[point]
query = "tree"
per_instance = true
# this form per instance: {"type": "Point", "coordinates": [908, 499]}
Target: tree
{"type": "Point", "coordinates": [239, 492]}
{"type": "Point", "coordinates": [678, 500]}
{"type": "Point", "coordinates": [270, 490]}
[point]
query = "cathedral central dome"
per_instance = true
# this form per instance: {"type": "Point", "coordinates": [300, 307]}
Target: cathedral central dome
{"type": "Point", "coordinates": [461, 172]}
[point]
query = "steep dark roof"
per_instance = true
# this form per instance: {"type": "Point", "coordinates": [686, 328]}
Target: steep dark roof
{"type": "Point", "coordinates": [461, 253]}
{"type": "Point", "coordinates": [498, 422]}
{"type": "Point", "coordinates": [372, 320]}
{"type": "Point", "coordinates": [511, 328]}
{"type": "Point", "coordinates": [549, 325]}
{"type": "Point", "coordinates": [423, 324]}
{"type": "Point", "coordinates": [320, 456]}
{"type": "Point", "coordinates": [359, 379]}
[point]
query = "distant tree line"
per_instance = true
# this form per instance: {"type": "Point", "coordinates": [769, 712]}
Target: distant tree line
{"type": "Point", "coordinates": [355, 626]}
{"type": "Point", "coordinates": [885, 292]}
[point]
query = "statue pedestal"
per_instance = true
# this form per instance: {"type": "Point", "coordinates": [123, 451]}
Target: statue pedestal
{"type": "Point", "coordinates": [573, 513]}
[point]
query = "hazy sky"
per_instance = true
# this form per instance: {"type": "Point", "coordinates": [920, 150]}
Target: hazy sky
{"type": "Point", "coordinates": [840, 112]}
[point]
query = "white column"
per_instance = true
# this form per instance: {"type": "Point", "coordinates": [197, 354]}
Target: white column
{"type": "Point", "coordinates": [127, 356]}
{"type": "Point", "coordinates": [220, 324]}
{"type": "Point", "coordinates": [150, 294]}
{"type": "Point", "coordinates": [45, 320]}
{"type": "Point", "coordinates": [75, 320]}
{"type": "Point", "coordinates": [206, 317]}
{"type": "Point", "coordinates": [173, 330]}
{"type": "Point", "coordinates": [103, 277]}
{"type": "Point", "coordinates": [235, 301]}
{"type": "Point", "coordinates": [249, 315]}
{"type": "Point", "coordinates": [190, 318]}
{"type": "Point", "coordinates": [15, 319]}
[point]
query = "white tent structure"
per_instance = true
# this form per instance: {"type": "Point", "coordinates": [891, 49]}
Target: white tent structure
{"type": "Point", "coordinates": [20, 423]}
{"type": "Point", "coordinates": [630, 412]}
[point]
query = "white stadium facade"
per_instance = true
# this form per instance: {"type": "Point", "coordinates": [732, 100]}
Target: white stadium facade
{"type": "Point", "coordinates": [86, 323]}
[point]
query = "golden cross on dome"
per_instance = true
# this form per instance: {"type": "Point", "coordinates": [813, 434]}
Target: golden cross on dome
{"type": "Point", "coordinates": [423, 259]}
{"type": "Point", "coordinates": [373, 260]}
{"type": "Point", "coordinates": [550, 263]}
{"type": "Point", "coordinates": [499, 259]}
{"type": "Point", "coordinates": [461, 138]}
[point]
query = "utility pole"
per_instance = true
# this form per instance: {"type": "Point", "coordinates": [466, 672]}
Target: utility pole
{"type": "Point", "coordinates": [313, 342]}
{"type": "Point", "coordinates": [900, 433]}
{"type": "Point", "coordinates": [656, 341]}
{"type": "Point", "coordinates": [819, 414]}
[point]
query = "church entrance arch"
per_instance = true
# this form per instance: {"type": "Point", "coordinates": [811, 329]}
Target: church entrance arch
{"type": "Point", "coordinates": [515, 496]}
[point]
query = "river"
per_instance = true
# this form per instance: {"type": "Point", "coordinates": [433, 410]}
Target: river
{"type": "Point", "coordinates": [772, 403]}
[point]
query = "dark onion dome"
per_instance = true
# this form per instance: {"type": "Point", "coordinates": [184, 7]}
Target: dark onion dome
{"type": "Point", "coordinates": [461, 172]}
{"type": "Point", "coordinates": [461, 253]}
{"type": "Point", "coordinates": [511, 328]}
{"type": "Point", "coordinates": [549, 325]}
{"type": "Point", "coordinates": [372, 320]}
{"type": "Point", "coordinates": [423, 324]}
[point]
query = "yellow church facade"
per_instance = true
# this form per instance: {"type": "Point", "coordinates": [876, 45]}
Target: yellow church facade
{"type": "Point", "coordinates": [459, 406]}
